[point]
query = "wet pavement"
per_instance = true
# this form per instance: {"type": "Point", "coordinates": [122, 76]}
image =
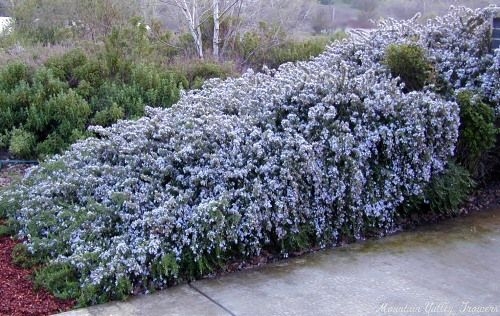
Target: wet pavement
{"type": "Point", "coordinates": [452, 268]}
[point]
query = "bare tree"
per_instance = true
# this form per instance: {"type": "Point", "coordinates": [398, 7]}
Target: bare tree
{"type": "Point", "coordinates": [197, 12]}
{"type": "Point", "coordinates": [216, 16]}
{"type": "Point", "coordinates": [193, 12]}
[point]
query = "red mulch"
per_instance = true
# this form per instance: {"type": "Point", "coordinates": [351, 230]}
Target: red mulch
{"type": "Point", "coordinates": [17, 294]}
{"type": "Point", "coordinates": [18, 297]}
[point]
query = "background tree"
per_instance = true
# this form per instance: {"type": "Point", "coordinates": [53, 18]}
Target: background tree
{"type": "Point", "coordinates": [193, 11]}
{"type": "Point", "coordinates": [197, 13]}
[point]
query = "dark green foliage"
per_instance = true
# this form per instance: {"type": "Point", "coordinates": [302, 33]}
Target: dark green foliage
{"type": "Point", "coordinates": [95, 294]}
{"type": "Point", "coordinates": [55, 121]}
{"type": "Point", "coordinates": [45, 86]}
{"type": "Point", "coordinates": [108, 116]}
{"type": "Point", "coordinates": [192, 269]}
{"type": "Point", "coordinates": [23, 258]}
{"type": "Point", "coordinates": [12, 75]}
{"type": "Point", "coordinates": [60, 279]}
{"type": "Point", "coordinates": [477, 133]}
{"type": "Point", "coordinates": [442, 197]}
{"type": "Point", "coordinates": [295, 51]}
{"type": "Point", "coordinates": [128, 46]}
{"type": "Point", "coordinates": [118, 65]}
{"type": "Point", "coordinates": [157, 88]}
{"type": "Point", "coordinates": [14, 105]}
{"type": "Point", "coordinates": [409, 63]}
{"type": "Point", "coordinates": [5, 139]}
{"type": "Point", "coordinates": [67, 65]}
{"type": "Point", "coordinates": [8, 226]}
{"type": "Point", "coordinates": [6, 231]}
{"type": "Point", "coordinates": [449, 190]}
{"type": "Point", "coordinates": [257, 49]}
{"type": "Point", "coordinates": [199, 71]}
{"type": "Point", "coordinates": [43, 112]}
{"type": "Point", "coordinates": [92, 72]}
{"type": "Point", "coordinates": [22, 143]}
{"type": "Point", "coordinates": [127, 97]}
{"type": "Point", "coordinates": [167, 267]}
{"type": "Point", "coordinates": [304, 239]}
{"type": "Point", "coordinates": [123, 288]}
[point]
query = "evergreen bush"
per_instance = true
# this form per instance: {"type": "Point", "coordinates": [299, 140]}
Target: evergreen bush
{"type": "Point", "coordinates": [477, 133]}
{"type": "Point", "coordinates": [310, 153]}
{"type": "Point", "coordinates": [22, 143]}
{"type": "Point", "coordinates": [55, 104]}
{"type": "Point", "coordinates": [408, 62]}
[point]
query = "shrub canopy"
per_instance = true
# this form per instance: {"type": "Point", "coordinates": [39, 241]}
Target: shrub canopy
{"type": "Point", "coordinates": [331, 146]}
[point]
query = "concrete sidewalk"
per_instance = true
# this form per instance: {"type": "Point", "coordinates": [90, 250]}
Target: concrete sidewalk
{"type": "Point", "coordinates": [448, 269]}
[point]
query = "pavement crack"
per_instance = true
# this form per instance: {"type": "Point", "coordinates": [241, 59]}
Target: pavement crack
{"type": "Point", "coordinates": [211, 299]}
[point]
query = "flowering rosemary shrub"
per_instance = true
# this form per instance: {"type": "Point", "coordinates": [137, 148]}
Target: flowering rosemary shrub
{"type": "Point", "coordinates": [331, 146]}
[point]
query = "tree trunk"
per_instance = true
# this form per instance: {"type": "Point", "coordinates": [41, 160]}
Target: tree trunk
{"type": "Point", "coordinates": [192, 18]}
{"type": "Point", "coordinates": [198, 41]}
{"type": "Point", "coordinates": [215, 43]}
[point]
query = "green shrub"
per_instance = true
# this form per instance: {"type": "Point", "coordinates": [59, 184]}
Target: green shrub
{"type": "Point", "coordinates": [477, 133]}
{"type": "Point", "coordinates": [6, 230]}
{"type": "Point", "coordinates": [145, 86]}
{"type": "Point", "coordinates": [450, 189]}
{"type": "Point", "coordinates": [123, 48]}
{"type": "Point", "coordinates": [108, 116]}
{"type": "Point", "coordinates": [5, 139]}
{"type": "Point", "coordinates": [158, 87]}
{"type": "Point", "coordinates": [64, 66]}
{"type": "Point", "coordinates": [52, 144]}
{"type": "Point", "coordinates": [14, 106]}
{"type": "Point", "coordinates": [198, 71]}
{"type": "Point", "coordinates": [22, 143]}
{"type": "Point", "coordinates": [8, 226]}
{"type": "Point", "coordinates": [55, 121]}
{"type": "Point", "coordinates": [442, 196]}
{"type": "Point", "coordinates": [128, 97]}
{"type": "Point", "coordinates": [12, 114]}
{"type": "Point", "coordinates": [23, 258]}
{"type": "Point", "coordinates": [55, 104]}
{"type": "Point", "coordinates": [75, 67]}
{"type": "Point", "coordinates": [13, 74]}
{"type": "Point", "coordinates": [59, 279]}
{"type": "Point", "coordinates": [93, 72]}
{"type": "Point", "coordinates": [256, 55]}
{"type": "Point", "coordinates": [295, 51]}
{"type": "Point", "coordinates": [302, 240]}
{"type": "Point", "coordinates": [45, 86]}
{"type": "Point", "coordinates": [167, 267]}
{"type": "Point", "coordinates": [409, 63]}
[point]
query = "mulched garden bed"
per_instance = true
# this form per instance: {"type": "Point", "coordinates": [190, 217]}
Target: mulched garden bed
{"type": "Point", "coordinates": [18, 296]}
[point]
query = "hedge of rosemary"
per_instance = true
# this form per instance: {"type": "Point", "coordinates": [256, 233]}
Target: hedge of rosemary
{"type": "Point", "coordinates": [313, 151]}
